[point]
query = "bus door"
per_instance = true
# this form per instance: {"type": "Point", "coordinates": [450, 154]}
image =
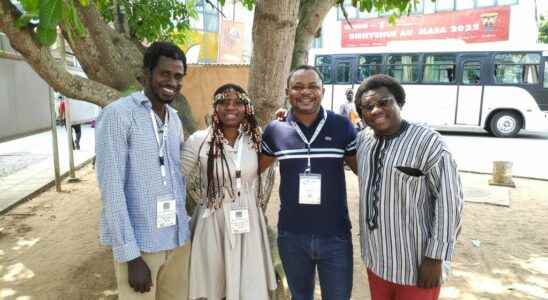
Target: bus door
{"type": "Point", "coordinates": [472, 74]}
{"type": "Point", "coordinates": [344, 77]}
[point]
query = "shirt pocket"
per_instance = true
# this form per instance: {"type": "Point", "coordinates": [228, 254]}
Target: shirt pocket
{"type": "Point", "coordinates": [407, 184]}
{"type": "Point", "coordinates": [410, 171]}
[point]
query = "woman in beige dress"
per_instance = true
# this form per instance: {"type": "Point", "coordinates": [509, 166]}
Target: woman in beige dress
{"type": "Point", "coordinates": [230, 249]}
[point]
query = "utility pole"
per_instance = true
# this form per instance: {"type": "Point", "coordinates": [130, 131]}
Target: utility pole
{"type": "Point", "coordinates": [68, 119]}
{"type": "Point", "coordinates": [53, 116]}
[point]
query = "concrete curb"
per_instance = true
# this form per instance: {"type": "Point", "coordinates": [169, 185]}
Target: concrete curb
{"type": "Point", "coordinates": [44, 187]}
{"type": "Point", "coordinates": [513, 176]}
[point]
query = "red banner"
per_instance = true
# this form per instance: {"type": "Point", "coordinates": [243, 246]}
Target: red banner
{"type": "Point", "coordinates": [471, 26]}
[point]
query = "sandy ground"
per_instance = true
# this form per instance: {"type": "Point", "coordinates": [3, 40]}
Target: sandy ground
{"type": "Point", "coordinates": [49, 248]}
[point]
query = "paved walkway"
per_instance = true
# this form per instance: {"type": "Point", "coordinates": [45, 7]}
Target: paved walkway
{"type": "Point", "coordinates": [26, 164]}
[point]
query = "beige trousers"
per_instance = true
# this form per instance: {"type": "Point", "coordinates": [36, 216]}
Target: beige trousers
{"type": "Point", "coordinates": [169, 270]}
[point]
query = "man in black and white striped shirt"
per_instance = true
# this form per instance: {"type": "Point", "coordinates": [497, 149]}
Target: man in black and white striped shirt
{"type": "Point", "coordinates": [410, 197]}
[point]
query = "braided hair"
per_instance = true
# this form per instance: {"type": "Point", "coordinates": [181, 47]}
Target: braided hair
{"type": "Point", "coordinates": [216, 170]}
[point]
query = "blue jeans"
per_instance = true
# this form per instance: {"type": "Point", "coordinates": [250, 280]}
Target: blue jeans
{"type": "Point", "coordinates": [331, 254]}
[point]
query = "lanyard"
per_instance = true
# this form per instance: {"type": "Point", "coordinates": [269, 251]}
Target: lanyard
{"type": "Point", "coordinates": [314, 136]}
{"type": "Point", "coordinates": [162, 143]}
{"type": "Point", "coordinates": [238, 163]}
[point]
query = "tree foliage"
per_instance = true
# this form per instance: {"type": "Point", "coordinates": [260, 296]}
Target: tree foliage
{"type": "Point", "coordinates": [153, 20]}
{"type": "Point", "coordinates": [543, 31]}
{"type": "Point", "coordinates": [47, 15]}
{"type": "Point", "coordinates": [394, 8]}
{"type": "Point", "coordinates": [146, 20]}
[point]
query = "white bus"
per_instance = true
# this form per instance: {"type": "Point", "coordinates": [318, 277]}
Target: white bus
{"type": "Point", "coordinates": [499, 91]}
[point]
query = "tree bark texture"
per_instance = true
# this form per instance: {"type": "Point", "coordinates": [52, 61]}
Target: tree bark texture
{"type": "Point", "coordinates": [274, 26]}
{"type": "Point", "coordinates": [311, 15]}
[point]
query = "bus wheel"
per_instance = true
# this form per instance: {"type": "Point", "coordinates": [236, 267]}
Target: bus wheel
{"type": "Point", "coordinates": [505, 124]}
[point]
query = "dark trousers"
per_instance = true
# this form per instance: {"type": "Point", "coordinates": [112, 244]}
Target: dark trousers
{"type": "Point", "coordinates": [301, 254]}
{"type": "Point", "coordinates": [77, 128]}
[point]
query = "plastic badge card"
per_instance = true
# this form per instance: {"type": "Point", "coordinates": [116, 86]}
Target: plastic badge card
{"type": "Point", "coordinates": [166, 212]}
{"type": "Point", "coordinates": [310, 188]}
{"type": "Point", "coordinates": [239, 221]}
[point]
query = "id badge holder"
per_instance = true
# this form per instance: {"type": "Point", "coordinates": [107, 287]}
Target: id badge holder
{"type": "Point", "coordinates": [166, 211]}
{"type": "Point", "coordinates": [310, 188]}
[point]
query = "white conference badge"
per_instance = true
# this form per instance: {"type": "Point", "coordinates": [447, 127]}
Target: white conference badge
{"type": "Point", "coordinates": [310, 187]}
{"type": "Point", "coordinates": [239, 221]}
{"type": "Point", "coordinates": [166, 212]}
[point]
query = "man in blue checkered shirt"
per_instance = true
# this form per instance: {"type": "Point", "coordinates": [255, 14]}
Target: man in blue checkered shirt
{"type": "Point", "coordinates": [143, 218]}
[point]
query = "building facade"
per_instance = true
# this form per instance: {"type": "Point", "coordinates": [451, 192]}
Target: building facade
{"type": "Point", "coordinates": [220, 34]}
{"type": "Point", "coordinates": [470, 24]}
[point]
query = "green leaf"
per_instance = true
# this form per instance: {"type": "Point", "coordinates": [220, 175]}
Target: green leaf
{"type": "Point", "coordinates": [72, 20]}
{"type": "Point", "coordinates": [50, 13]}
{"type": "Point", "coordinates": [30, 6]}
{"type": "Point", "coordinates": [46, 36]}
{"type": "Point", "coordinates": [24, 20]}
{"type": "Point", "coordinates": [403, 6]}
{"type": "Point", "coordinates": [368, 5]}
{"type": "Point", "coordinates": [84, 2]}
{"type": "Point", "coordinates": [248, 4]}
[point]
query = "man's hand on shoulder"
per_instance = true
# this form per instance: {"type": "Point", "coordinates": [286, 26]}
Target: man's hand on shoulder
{"type": "Point", "coordinates": [430, 273]}
{"type": "Point", "coordinates": [139, 277]}
{"type": "Point", "coordinates": [281, 114]}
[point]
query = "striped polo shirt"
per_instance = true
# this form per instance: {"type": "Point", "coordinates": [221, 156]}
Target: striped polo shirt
{"type": "Point", "coordinates": [336, 139]}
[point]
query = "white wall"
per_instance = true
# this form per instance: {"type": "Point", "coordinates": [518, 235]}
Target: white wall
{"type": "Point", "coordinates": [24, 105]}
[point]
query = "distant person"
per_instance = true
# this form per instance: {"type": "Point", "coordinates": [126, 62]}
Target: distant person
{"type": "Point", "coordinates": [411, 197]}
{"type": "Point", "coordinates": [348, 110]}
{"type": "Point", "coordinates": [143, 218]}
{"type": "Point", "coordinates": [231, 256]}
{"type": "Point", "coordinates": [77, 128]}
{"type": "Point", "coordinates": [61, 110]}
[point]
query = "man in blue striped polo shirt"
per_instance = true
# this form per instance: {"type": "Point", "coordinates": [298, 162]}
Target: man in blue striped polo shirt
{"type": "Point", "coordinates": [313, 228]}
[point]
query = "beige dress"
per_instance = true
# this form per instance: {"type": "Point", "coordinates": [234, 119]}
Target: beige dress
{"type": "Point", "coordinates": [223, 264]}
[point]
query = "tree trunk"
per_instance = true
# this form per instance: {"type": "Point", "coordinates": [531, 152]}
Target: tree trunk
{"type": "Point", "coordinates": [311, 15]}
{"type": "Point", "coordinates": [274, 25]}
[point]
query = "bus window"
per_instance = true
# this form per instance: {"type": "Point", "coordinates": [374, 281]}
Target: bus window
{"type": "Point", "coordinates": [323, 63]}
{"type": "Point", "coordinates": [403, 67]}
{"type": "Point", "coordinates": [439, 68]}
{"type": "Point", "coordinates": [342, 71]}
{"type": "Point", "coordinates": [546, 74]}
{"type": "Point", "coordinates": [368, 65]}
{"type": "Point", "coordinates": [471, 73]}
{"type": "Point", "coordinates": [517, 68]}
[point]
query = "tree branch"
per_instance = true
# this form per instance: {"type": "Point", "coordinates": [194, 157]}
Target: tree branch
{"type": "Point", "coordinates": [311, 14]}
{"type": "Point", "coordinates": [47, 67]}
{"type": "Point", "coordinates": [105, 55]}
